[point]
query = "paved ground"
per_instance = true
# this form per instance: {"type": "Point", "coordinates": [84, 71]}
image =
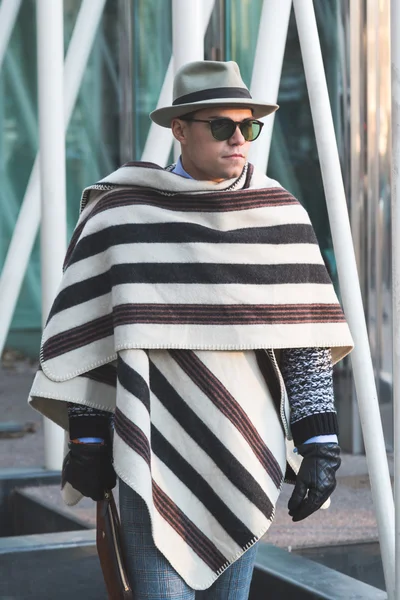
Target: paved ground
{"type": "Point", "coordinates": [350, 518]}
{"type": "Point", "coordinates": [16, 378]}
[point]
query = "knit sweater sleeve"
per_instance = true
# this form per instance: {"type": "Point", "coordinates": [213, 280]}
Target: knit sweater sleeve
{"type": "Point", "coordinates": [88, 422]}
{"type": "Point", "coordinates": [85, 421]}
{"type": "Point", "coordinates": [308, 376]}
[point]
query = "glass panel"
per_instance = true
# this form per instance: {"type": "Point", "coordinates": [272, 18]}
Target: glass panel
{"type": "Point", "coordinates": [92, 144]}
{"type": "Point", "coordinates": [378, 179]}
{"type": "Point", "coordinates": [18, 146]}
{"type": "Point", "coordinates": [91, 148]}
{"type": "Point", "coordinates": [214, 40]}
{"type": "Point", "coordinates": [152, 30]}
{"type": "Point", "coordinates": [243, 25]}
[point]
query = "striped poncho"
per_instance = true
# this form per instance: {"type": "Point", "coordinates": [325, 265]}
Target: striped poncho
{"type": "Point", "coordinates": [174, 282]}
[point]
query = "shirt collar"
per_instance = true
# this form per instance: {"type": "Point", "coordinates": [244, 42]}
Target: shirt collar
{"type": "Point", "coordinates": [179, 170]}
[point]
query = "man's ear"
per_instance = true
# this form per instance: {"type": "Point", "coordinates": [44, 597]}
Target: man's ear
{"type": "Point", "coordinates": [178, 128]}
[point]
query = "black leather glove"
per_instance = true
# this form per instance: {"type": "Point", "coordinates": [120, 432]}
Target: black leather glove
{"type": "Point", "coordinates": [316, 479]}
{"type": "Point", "coordinates": [88, 468]}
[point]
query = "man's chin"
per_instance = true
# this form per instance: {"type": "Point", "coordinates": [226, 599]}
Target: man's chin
{"type": "Point", "coordinates": [232, 171]}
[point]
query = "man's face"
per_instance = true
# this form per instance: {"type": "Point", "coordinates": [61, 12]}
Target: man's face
{"type": "Point", "coordinates": [204, 157]}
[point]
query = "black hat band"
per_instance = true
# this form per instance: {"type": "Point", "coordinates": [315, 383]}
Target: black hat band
{"type": "Point", "coordinates": [213, 94]}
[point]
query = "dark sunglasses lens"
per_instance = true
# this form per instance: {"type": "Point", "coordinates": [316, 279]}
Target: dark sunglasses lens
{"type": "Point", "coordinates": [222, 129]}
{"type": "Point", "coordinates": [250, 130]}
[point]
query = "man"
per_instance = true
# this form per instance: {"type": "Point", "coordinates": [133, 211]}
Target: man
{"type": "Point", "coordinates": [194, 307]}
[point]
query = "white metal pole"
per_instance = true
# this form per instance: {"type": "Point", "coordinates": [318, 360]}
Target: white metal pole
{"type": "Point", "coordinates": [267, 69]}
{"type": "Point", "coordinates": [395, 59]}
{"type": "Point", "coordinates": [27, 224]}
{"type": "Point", "coordinates": [159, 140]}
{"type": "Point", "coordinates": [349, 285]}
{"type": "Point", "coordinates": [50, 52]}
{"type": "Point", "coordinates": [187, 32]}
{"type": "Point", "coordinates": [8, 15]}
{"type": "Point", "coordinates": [187, 37]}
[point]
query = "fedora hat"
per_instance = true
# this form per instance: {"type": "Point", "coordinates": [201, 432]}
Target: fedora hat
{"type": "Point", "coordinates": [207, 83]}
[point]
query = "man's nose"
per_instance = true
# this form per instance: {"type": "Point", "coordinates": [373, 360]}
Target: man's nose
{"type": "Point", "coordinates": [237, 138]}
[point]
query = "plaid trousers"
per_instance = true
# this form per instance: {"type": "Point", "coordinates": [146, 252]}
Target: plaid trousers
{"type": "Point", "coordinates": [151, 575]}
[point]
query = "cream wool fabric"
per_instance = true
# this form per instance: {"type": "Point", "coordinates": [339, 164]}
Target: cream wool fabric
{"type": "Point", "coordinates": [197, 433]}
{"type": "Point", "coordinates": [210, 460]}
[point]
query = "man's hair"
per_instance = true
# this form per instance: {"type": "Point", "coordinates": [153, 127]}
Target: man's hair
{"type": "Point", "coordinates": [188, 116]}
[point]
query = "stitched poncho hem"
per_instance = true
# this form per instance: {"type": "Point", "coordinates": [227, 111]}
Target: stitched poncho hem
{"type": "Point", "coordinates": [338, 352]}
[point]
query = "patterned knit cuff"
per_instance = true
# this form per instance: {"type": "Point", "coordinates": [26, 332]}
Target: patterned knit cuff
{"type": "Point", "coordinates": [98, 427]}
{"type": "Point", "coordinates": [317, 424]}
{"type": "Point", "coordinates": [88, 422]}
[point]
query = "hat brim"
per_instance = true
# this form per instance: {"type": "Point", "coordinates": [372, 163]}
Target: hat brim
{"type": "Point", "coordinates": [163, 116]}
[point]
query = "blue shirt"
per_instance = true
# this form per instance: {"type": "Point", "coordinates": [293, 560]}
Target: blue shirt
{"type": "Point", "coordinates": [179, 170]}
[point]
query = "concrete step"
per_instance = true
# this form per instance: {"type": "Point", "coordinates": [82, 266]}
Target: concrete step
{"type": "Point", "coordinates": [42, 510]}
{"type": "Point", "coordinates": [282, 575]}
{"type": "Point", "coordinates": [65, 565]}
{"type": "Point", "coordinates": [33, 512]}
{"type": "Point", "coordinates": [14, 478]}
{"type": "Point", "coordinates": [359, 560]}
{"type": "Point", "coordinates": [51, 566]}
{"type": "Point", "coordinates": [53, 546]}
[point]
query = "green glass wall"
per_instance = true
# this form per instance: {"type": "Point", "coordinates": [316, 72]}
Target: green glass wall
{"type": "Point", "coordinates": [91, 141]}
{"type": "Point", "coordinates": [151, 54]}
{"type": "Point", "coordinates": [18, 146]}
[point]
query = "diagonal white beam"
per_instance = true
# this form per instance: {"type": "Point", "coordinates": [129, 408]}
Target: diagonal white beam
{"type": "Point", "coordinates": [187, 34]}
{"type": "Point", "coordinates": [8, 15]}
{"type": "Point", "coordinates": [53, 227]}
{"type": "Point", "coordinates": [349, 284]}
{"type": "Point", "coordinates": [267, 69]}
{"type": "Point", "coordinates": [27, 224]}
{"type": "Point", "coordinates": [159, 139]}
{"type": "Point", "coordinates": [53, 230]}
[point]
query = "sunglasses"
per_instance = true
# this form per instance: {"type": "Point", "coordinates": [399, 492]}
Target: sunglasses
{"type": "Point", "coordinates": [222, 129]}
